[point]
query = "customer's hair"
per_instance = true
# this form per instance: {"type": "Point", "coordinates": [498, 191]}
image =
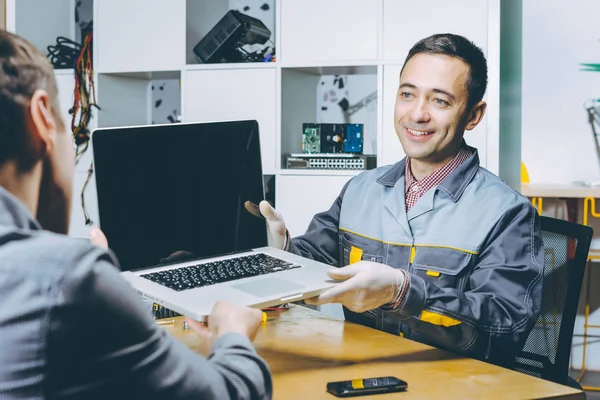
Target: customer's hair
{"type": "Point", "coordinates": [23, 70]}
{"type": "Point", "coordinates": [460, 47]}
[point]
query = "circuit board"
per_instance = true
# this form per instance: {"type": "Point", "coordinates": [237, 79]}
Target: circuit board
{"type": "Point", "coordinates": [311, 138]}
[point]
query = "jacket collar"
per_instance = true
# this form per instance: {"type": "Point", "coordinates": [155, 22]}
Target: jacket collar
{"type": "Point", "coordinates": [13, 213]}
{"type": "Point", "coordinates": [454, 185]}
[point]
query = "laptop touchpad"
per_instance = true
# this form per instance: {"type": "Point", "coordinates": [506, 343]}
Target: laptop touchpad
{"type": "Point", "coordinates": [267, 287]}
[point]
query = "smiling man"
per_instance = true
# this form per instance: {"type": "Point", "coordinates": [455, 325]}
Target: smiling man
{"type": "Point", "coordinates": [435, 247]}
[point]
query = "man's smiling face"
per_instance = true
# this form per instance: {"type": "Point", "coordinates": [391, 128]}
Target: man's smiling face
{"type": "Point", "coordinates": [431, 107]}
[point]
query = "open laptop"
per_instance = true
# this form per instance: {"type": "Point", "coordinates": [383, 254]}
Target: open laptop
{"type": "Point", "coordinates": [171, 202]}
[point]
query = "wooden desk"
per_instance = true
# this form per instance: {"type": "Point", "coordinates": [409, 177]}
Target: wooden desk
{"type": "Point", "coordinates": [306, 349]}
{"type": "Point", "coordinates": [560, 191]}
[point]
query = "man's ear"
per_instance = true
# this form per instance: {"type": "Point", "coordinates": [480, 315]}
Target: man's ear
{"type": "Point", "coordinates": [43, 123]}
{"type": "Point", "coordinates": [475, 115]}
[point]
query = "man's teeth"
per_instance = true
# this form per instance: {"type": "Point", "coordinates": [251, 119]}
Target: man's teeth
{"type": "Point", "coordinates": [417, 133]}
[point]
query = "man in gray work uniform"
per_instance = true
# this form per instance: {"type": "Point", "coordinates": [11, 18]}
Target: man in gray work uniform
{"type": "Point", "coordinates": [441, 250]}
{"type": "Point", "coordinates": [70, 326]}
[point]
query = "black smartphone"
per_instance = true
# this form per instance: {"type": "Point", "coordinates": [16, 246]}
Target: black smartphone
{"type": "Point", "coordinates": [363, 387]}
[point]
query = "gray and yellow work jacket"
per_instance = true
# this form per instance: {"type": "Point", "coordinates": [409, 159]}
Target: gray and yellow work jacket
{"type": "Point", "coordinates": [472, 248]}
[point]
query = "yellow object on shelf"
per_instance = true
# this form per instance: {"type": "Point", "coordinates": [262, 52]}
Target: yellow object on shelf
{"type": "Point", "coordinates": [535, 201]}
{"type": "Point", "coordinates": [524, 173]}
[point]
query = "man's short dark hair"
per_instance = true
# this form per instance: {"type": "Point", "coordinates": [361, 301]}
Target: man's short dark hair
{"type": "Point", "coordinates": [23, 70]}
{"type": "Point", "coordinates": [452, 45]}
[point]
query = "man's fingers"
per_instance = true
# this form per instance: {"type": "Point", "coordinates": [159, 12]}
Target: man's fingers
{"type": "Point", "coordinates": [342, 273]}
{"type": "Point", "coordinates": [268, 211]}
{"type": "Point", "coordinates": [334, 295]}
{"type": "Point", "coordinates": [97, 238]}
{"type": "Point", "coordinates": [198, 327]}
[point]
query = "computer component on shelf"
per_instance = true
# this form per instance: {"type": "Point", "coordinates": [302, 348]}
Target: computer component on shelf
{"type": "Point", "coordinates": [311, 138]}
{"type": "Point", "coordinates": [340, 161]}
{"type": "Point", "coordinates": [332, 138]}
{"type": "Point", "coordinates": [225, 40]}
{"type": "Point", "coordinates": [353, 142]}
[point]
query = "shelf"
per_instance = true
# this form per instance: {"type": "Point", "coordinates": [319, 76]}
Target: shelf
{"type": "Point", "coordinates": [203, 15]}
{"type": "Point", "coordinates": [141, 43]}
{"type": "Point", "coordinates": [319, 95]}
{"type": "Point", "coordinates": [138, 99]}
{"type": "Point", "coordinates": [65, 72]}
{"type": "Point", "coordinates": [358, 68]}
{"type": "Point", "coordinates": [229, 66]}
{"type": "Point", "coordinates": [560, 191]}
{"type": "Point", "coordinates": [317, 31]}
{"type": "Point", "coordinates": [319, 172]}
{"type": "Point", "coordinates": [139, 35]}
{"type": "Point", "coordinates": [146, 75]}
{"type": "Point", "coordinates": [42, 22]}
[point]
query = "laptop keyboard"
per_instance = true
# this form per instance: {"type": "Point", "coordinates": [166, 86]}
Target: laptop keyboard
{"type": "Point", "coordinates": [195, 276]}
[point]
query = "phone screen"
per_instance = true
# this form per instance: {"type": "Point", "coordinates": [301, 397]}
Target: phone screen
{"type": "Point", "coordinates": [359, 387]}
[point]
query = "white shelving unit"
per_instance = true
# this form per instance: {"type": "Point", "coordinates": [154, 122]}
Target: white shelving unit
{"type": "Point", "coordinates": [2, 14]}
{"type": "Point", "coordinates": [137, 42]}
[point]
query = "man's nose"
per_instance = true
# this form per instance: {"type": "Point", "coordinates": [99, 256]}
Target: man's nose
{"type": "Point", "coordinates": [420, 111]}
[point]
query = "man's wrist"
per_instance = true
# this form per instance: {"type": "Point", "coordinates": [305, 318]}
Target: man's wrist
{"type": "Point", "coordinates": [401, 292]}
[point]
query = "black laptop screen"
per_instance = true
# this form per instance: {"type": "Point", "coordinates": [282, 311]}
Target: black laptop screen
{"type": "Point", "coordinates": [172, 192]}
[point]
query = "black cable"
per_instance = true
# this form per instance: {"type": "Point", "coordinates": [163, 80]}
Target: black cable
{"type": "Point", "coordinates": [64, 54]}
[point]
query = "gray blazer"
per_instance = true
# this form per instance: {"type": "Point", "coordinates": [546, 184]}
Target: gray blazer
{"type": "Point", "coordinates": [71, 328]}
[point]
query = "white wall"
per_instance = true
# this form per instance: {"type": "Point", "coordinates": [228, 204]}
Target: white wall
{"type": "Point", "coordinates": [42, 22]}
{"type": "Point", "coordinates": [166, 101]}
{"type": "Point", "coordinates": [2, 14]}
{"type": "Point", "coordinates": [557, 37]}
{"type": "Point", "coordinates": [355, 88]}
{"type": "Point", "coordinates": [558, 145]}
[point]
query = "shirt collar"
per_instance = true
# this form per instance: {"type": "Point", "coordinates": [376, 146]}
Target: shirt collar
{"type": "Point", "coordinates": [453, 185]}
{"type": "Point", "coordinates": [437, 176]}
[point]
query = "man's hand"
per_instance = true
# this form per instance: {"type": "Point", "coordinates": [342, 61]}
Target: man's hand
{"type": "Point", "coordinates": [97, 237]}
{"type": "Point", "coordinates": [225, 318]}
{"type": "Point", "coordinates": [368, 285]}
{"type": "Point", "coordinates": [275, 223]}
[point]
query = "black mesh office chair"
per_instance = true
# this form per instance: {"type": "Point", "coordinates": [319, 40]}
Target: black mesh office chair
{"type": "Point", "coordinates": [547, 349]}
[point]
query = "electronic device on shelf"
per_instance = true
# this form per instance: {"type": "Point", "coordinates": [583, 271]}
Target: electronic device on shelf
{"type": "Point", "coordinates": [332, 138]}
{"type": "Point", "coordinates": [224, 41]}
{"type": "Point", "coordinates": [339, 161]}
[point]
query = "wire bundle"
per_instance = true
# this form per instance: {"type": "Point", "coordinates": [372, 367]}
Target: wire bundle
{"type": "Point", "coordinates": [84, 99]}
{"type": "Point", "coordinates": [82, 104]}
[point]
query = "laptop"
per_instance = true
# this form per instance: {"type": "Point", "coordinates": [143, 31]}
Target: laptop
{"type": "Point", "coordinates": [172, 204]}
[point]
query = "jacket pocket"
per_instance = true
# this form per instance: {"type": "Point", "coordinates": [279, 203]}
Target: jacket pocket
{"type": "Point", "coordinates": [360, 248]}
{"type": "Point", "coordinates": [443, 266]}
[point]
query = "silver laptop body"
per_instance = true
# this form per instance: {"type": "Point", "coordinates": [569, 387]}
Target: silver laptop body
{"type": "Point", "coordinates": [176, 219]}
{"type": "Point", "coordinates": [307, 280]}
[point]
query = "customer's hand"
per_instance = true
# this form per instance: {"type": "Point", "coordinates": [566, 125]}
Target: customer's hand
{"type": "Point", "coordinates": [97, 237]}
{"type": "Point", "coordinates": [368, 285]}
{"type": "Point", "coordinates": [275, 223]}
{"type": "Point", "coordinates": [226, 318]}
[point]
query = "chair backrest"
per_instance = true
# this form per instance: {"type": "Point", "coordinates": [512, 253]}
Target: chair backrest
{"type": "Point", "coordinates": [547, 349]}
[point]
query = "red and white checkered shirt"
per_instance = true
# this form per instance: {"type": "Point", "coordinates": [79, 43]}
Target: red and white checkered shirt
{"type": "Point", "coordinates": [414, 189]}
